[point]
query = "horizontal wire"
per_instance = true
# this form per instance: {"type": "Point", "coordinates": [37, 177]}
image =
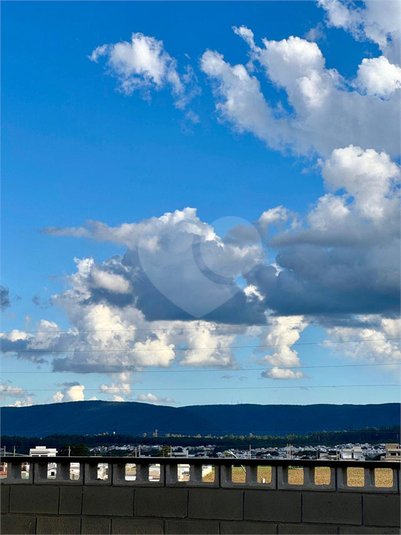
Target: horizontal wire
{"type": "Point", "coordinates": [118, 390]}
{"type": "Point", "coordinates": [197, 348]}
{"type": "Point", "coordinates": [134, 329]}
{"type": "Point", "coordinates": [221, 370]}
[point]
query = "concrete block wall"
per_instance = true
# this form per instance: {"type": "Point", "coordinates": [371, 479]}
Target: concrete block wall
{"type": "Point", "coordinates": [52, 508]}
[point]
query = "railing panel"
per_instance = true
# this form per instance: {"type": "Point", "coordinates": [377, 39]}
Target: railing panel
{"type": "Point", "coordinates": [285, 474]}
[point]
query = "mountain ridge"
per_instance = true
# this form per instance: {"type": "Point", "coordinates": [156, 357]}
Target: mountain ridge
{"type": "Point", "coordinates": [92, 417]}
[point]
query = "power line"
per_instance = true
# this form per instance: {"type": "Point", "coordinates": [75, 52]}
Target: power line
{"type": "Point", "coordinates": [116, 350]}
{"type": "Point", "coordinates": [221, 370]}
{"type": "Point", "coordinates": [118, 390]}
{"type": "Point", "coordinates": [151, 329]}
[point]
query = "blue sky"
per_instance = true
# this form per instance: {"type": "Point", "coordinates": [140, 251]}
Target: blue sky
{"type": "Point", "coordinates": [297, 136]}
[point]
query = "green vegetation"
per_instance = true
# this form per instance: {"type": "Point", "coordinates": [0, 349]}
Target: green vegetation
{"type": "Point", "coordinates": [79, 449]}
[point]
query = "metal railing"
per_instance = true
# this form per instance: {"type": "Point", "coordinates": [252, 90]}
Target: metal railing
{"type": "Point", "coordinates": [321, 475]}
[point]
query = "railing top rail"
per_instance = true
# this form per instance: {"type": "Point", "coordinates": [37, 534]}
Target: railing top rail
{"type": "Point", "coordinates": [205, 460]}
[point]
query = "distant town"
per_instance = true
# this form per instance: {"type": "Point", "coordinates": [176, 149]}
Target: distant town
{"type": "Point", "coordinates": [346, 451]}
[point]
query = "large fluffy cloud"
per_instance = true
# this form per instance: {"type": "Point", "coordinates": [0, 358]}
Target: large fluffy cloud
{"type": "Point", "coordinates": [121, 322]}
{"type": "Point", "coordinates": [175, 267]}
{"type": "Point", "coordinates": [370, 178]}
{"type": "Point", "coordinates": [316, 96]}
{"type": "Point", "coordinates": [345, 257]}
{"type": "Point", "coordinates": [70, 392]}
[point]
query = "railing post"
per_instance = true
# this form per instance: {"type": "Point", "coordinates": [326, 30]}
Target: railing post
{"type": "Point", "coordinates": [40, 470]}
{"type": "Point", "coordinates": [142, 473]}
{"type": "Point", "coordinates": [342, 479]}
{"type": "Point", "coordinates": [370, 483]}
{"type": "Point", "coordinates": [309, 476]}
{"type": "Point", "coordinates": [195, 473]}
{"type": "Point", "coordinates": [251, 475]}
{"type": "Point", "coordinates": [225, 475]}
{"type": "Point", "coordinates": [90, 471]}
{"type": "Point", "coordinates": [14, 471]}
{"type": "Point", "coordinates": [334, 475]}
{"type": "Point", "coordinates": [274, 477]}
{"type": "Point", "coordinates": [119, 473]}
{"type": "Point", "coordinates": [63, 468]}
{"type": "Point", "coordinates": [171, 473]}
{"type": "Point", "coordinates": [282, 477]}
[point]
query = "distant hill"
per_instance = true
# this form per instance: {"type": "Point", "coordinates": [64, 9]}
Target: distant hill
{"type": "Point", "coordinates": [92, 417]}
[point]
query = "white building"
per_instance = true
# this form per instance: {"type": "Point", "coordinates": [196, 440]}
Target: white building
{"type": "Point", "coordinates": [42, 451]}
{"type": "Point", "coordinates": [393, 453]}
{"type": "Point", "coordinates": [355, 454]}
{"type": "Point", "coordinates": [182, 452]}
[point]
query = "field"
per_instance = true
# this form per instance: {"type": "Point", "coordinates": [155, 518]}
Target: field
{"type": "Point", "coordinates": [383, 476]}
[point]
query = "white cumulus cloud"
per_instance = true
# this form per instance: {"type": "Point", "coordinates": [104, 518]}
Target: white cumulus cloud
{"type": "Point", "coordinates": [152, 398]}
{"type": "Point", "coordinates": [144, 64]}
{"type": "Point", "coordinates": [378, 77]}
{"type": "Point", "coordinates": [71, 392]}
{"type": "Point", "coordinates": [282, 373]}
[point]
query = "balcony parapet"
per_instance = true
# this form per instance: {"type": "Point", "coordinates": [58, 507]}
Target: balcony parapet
{"type": "Point", "coordinates": [269, 474]}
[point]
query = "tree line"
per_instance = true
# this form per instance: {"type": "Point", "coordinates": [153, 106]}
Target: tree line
{"type": "Point", "coordinates": [371, 435]}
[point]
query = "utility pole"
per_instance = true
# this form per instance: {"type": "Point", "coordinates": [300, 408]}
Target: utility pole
{"type": "Point", "coordinates": [14, 450]}
{"type": "Point", "coordinates": [69, 451]}
{"type": "Point", "coordinates": [250, 451]}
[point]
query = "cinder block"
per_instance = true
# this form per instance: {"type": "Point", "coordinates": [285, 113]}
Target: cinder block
{"type": "Point", "coordinates": [5, 498]}
{"type": "Point", "coordinates": [58, 525]}
{"type": "Point", "coordinates": [381, 510]}
{"type": "Point", "coordinates": [161, 502]}
{"type": "Point", "coordinates": [190, 527]}
{"type": "Point", "coordinates": [307, 529]}
{"type": "Point", "coordinates": [222, 504]}
{"type": "Point", "coordinates": [136, 526]}
{"type": "Point", "coordinates": [273, 505]}
{"type": "Point", "coordinates": [367, 530]}
{"type": "Point", "coordinates": [17, 525]}
{"type": "Point", "coordinates": [109, 501]}
{"type": "Point", "coordinates": [254, 528]}
{"type": "Point", "coordinates": [36, 499]}
{"type": "Point", "coordinates": [70, 500]}
{"type": "Point", "coordinates": [95, 525]}
{"type": "Point", "coordinates": [332, 508]}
